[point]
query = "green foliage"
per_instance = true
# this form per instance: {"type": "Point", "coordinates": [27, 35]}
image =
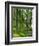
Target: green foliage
{"type": "Point", "coordinates": [21, 22]}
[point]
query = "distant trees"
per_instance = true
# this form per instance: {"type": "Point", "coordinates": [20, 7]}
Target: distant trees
{"type": "Point", "coordinates": [22, 22]}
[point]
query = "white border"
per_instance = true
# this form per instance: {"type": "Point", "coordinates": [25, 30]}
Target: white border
{"type": "Point", "coordinates": [33, 25]}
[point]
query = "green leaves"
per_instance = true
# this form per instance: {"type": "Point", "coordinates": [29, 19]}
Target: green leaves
{"type": "Point", "coordinates": [22, 21]}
